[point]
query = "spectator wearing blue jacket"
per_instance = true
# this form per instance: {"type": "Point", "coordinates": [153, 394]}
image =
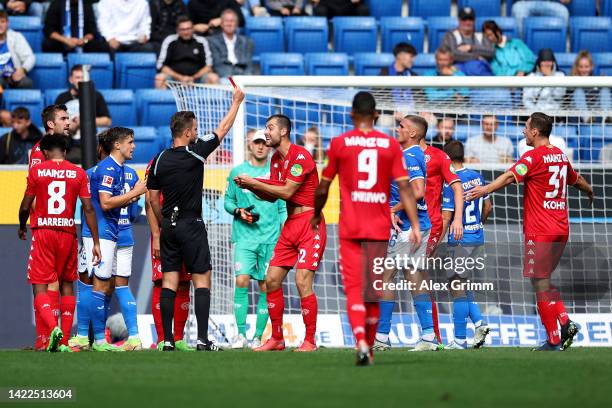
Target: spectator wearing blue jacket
{"type": "Point", "coordinates": [512, 56]}
{"type": "Point", "coordinates": [445, 67]}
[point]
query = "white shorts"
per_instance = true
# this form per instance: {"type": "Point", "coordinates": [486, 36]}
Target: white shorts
{"type": "Point", "coordinates": [104, 270]}
{"type": "Point", "coordinates": [467, 261]}
{"type": "Point", "coordinates": [400, 245]}
{"type": "Point", "coordinates": [123, 262]}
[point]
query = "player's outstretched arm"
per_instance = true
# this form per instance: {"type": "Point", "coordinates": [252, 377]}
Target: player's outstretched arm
{"type": "Point", "coordinates": [583, 185]}
{"type": "Point", "coordinates": [153, 224]}
{"type": "Point", "coordinates": [499, 183]}
{"type": "Point", "coordinates": [282, 191]}
{"type": "Point", "coordinates": [155, 204]}
{"type": "Point", "coordinates": [409, 205]}
{"type": "Point", "coordinates": [228, 121]}
{"type": "Point", "coordinates": [92, 223]}
{"type": "Point", "coordinates": [321, 194]}
{"type": "Point", "coordinates": [108, 202]}
{"type": "Point", "coordinates": [24, 214]}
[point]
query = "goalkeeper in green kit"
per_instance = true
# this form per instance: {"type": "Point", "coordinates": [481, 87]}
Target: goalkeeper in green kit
{"type": "Point", "coordinates": [255, 230]}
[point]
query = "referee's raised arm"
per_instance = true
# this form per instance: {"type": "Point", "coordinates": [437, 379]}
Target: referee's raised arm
{"type": "Point", "coordinates": [228, 121]}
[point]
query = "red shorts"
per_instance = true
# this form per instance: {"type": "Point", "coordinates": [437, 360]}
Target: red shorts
{"type": "Point", "coordinates": [542, 254]}
{"type": "Point", "coordinates": [298, 243]}
{"type": "Point", "coordinates": [53, 257]}
{"type": "Point", "coordinates": [359, 271]}
{"type": "Point", "coordinates": [157, 272]}
{"type": "Point", "coordinates": [435, 234]}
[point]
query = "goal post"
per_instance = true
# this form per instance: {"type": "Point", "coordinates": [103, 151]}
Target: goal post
{"type": "Point", "coordinates": [319, 108]}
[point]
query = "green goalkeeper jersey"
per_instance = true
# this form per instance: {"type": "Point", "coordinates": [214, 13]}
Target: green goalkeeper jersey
{"type": "Point", "coordinates": [271, 215]}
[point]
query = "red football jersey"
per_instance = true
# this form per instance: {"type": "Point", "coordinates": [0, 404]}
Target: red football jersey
{"type": "Point", "coordinates": [56, 186]}
{"type": "Point", "coordinates": [297, 166]}
{"type": "Point", "coordinates": [367, 164]}
{"type": "Point", "coordinates": [546, 172]}
{"type": "Point", "coordinates": [36, 156]}
{"type": "Point", "coordinates": [439, 171]}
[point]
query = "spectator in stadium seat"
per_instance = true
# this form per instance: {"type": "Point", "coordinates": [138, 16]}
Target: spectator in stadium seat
{"type": "Point", "coordinates": [471, 50]}
{"type": "Point", "coordinates": [74, 34]}
{"type": "Point", "coordinates": [16, 56]}
{"type": "Point", "coordinates": [164, 14]}
{"type": "Point", "coordinates": [512, 56]}
{"type": "Point", "coordinates": [445, 130]}
{"type": "Point", "coordinates": [70, 98]}
{"type": "Point", "coordinates": [539, 8]}
{"type": "Point", "coordinates": [206, 14]}
{"type": "Point", "coordinates": [587, 99]}
{"type": "Point", "coordinates": [489, 147]}
{"type": "Point", "coordinates": [544, 99]}
{"type": "Point", "coordinates": [445, 67]}
{"type": "Point", "coordinates": [21, 7]}
{"type": "Point", "coordinates": [285, 7]}
{"type": "Point", "coordinates": [125, 25]}
{"type": "Point", "coordinates": [333, 8]}
{"type": "Point", "coordinates": [312, 142]}
{"type": "Point", "coordinates": [15, 146]}
{"type": "Point", "coordinates": [254, 6]}
{"type": "Point", "coordinates": [185, 57]}
{"type": "Point", "coordinates": [404, 54]}
{"type": "Point", "coordinates": [232, 53]}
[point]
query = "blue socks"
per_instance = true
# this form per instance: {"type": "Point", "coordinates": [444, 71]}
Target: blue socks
{"type": "Point", "coordinates": [384, 322]}
{"type": "Point", "coordinates": [98, 314]}
{"type": "Point", "coordinates": [475, 315]}
{"type": "Point", "coordinates": [128, 309]}
{"type": "Point", "coordinates": [461, 311]}
{"type": "Point", "coordinates": [422, 305]}
{"type": "Point", "coordinates": [83, 311]}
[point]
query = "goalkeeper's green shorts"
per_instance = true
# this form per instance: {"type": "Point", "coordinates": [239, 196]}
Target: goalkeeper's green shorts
{"type": "Point", "coordinates": [252, 259]}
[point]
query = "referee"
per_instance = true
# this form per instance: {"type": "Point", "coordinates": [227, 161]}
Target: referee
{"type": "Point", "coordinates": [177, 174]}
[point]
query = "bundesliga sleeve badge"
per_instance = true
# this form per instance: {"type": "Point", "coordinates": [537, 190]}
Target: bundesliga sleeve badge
{"type": "Point", "coordinates": [107, 181]}
{"type": "Point", "coordinates": [296, 170]}
{"type": "Point", "coordinates": [521, 169]}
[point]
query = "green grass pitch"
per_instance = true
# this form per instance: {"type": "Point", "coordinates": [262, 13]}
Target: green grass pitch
{"type": "Point", "coordinates": [500, 377]}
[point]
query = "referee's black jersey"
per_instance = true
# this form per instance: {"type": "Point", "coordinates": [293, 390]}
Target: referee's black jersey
{"type": "Point", "coordinates": [179, 174]}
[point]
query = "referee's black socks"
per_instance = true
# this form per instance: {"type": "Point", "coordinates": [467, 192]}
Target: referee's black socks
{"type": "Point", "coordinates": [166, 305]}
{"type": "Point", "coordinates": [202, 311]}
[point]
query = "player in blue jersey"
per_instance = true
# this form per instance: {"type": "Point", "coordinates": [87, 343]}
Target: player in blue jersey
{"type": "Point", "coordinates": [467, 252]}
{"type": "Point", "coordinates": [107, 189]}
{"type": "Point", "coordinates": [409, 134]}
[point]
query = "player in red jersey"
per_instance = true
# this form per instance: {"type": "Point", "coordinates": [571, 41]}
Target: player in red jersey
{"type": "Point", "coordinates": [55, 184]}
{"type": "Point", "coordinates": [546, 172]}
{"type": "Point", "coordinates": [440, 171]}
{"type": "Point", "coordinates": [367, 162]}
{"type": "Point", "coordinates": [293, 178]}
{"type": "Point", "coordinates": [56, 121]}
{"type": "Point", "coordinates": [181, 304]}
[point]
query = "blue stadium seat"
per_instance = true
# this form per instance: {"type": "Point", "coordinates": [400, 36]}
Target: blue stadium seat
{"type": "Point", "coordinates": [428, 8]}
{"type": "Point", "coordinates": [592, 139]}
{"type": "Point", "coordinates": [121, 106]}
{"type": "Point", "coordinates": [330, 131]}
{"type": "Point", "coordinates": [463, 132]}
{"type": "Point", "coordinates": [327, 64]}
{"type": "Point", "coordinates": [603, 63]}
{"type": "Point", "coordinates": [135, 70]}
{"type": "Point", "coordinates": [31, 28]}
{"type": "Point", "coordinates": [395, 30]}
{"type": "Point", "coordinates": [52, 94]}
{"type": "Point", "coordinates": [28, 98]}
{"type": "Point", "coordinates": [565, 60]}
{"type": "Point", "coordinates": [148, 144]}
{"type": "Point", "coordinates": [164, 136]}
{"type": "Point", "coordinates": [385, 8]}
{"type": "Point", "coordinates": [568, 133]}
{"type": "Point", "coordinates": [545, 32]}
{"type": "Point", "coordinates": [5, 130]}
{"type": "Point", "coordinates": [280, 63]}
{"type": "Point", "coordinates": [436, 28]}
{"type": "Point", "coordinates": [355, 34]}
{"type": "Point", "coordinates": [49, 72]}
{"type": "Point", "coordinates": [258, 109]}
{"type": "Point", "coordinates": [491, 97]}
{"type": "Point", "coordinates": [583, 8]}
{"type": "Point", "coordinates": [101, 67]}
{"type": "Point", "coordinates": [482, 7]}
{"type": "Point", "coordinates": [606, 8]}
{"type": "Point", "coordinates": [590, 33]}
{"type": "Point", "coordinates": [303, 114]}
{"type": "Point", "coordinates": [266, 33]}
{"type": "Point", "coordinates": [507, 24]}
{"type": "Point", "coordinates": [155, 107]}
{"type": "Point", "coordinates": [370, 63]}
{"type": "Point", "coordinates": [424, 62]}
{"type": "Point", "coordinates": [306, 34]}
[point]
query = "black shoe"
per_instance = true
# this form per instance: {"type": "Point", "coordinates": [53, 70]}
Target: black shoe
{"type": "Point", "coordinates": [364, 357]}
{"type": "Point", "coordinates": [568, 331]}
{"type": "Point", "coordinates": [548, 347]}
{"type": "Point", "coordinates": [208, 346]}
{"type": "Point", "coordinates": [168, 346]}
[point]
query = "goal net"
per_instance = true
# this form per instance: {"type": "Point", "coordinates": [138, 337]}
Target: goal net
{"type": "Point", "coordinates": [462, 108]}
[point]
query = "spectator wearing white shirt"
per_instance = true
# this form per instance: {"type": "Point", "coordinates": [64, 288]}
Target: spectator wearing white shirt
{"type": "Point", "coordinates": [125, 25]}
{"type": "Point", "coordinates": [489, 147]}
{"type": "Point", "coordinates": [554, 140]}
{"type": "Point", "coordinates": [232, 53]}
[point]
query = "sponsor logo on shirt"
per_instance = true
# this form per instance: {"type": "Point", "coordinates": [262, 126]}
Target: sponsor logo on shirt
{"type": "Point", "coordinates": [521, 169]}
{"type": "Point", "coordinates": [529, 159]}
{"type": "Point", "coordinates": [296, 170]}
{"type": "Point", "coordinates": [301, 157]}
{"type": "Point", "coordinates": [107, 181]}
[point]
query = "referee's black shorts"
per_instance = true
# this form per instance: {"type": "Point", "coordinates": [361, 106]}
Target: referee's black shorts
{"type": "Point", "coordinates": [186, 243]}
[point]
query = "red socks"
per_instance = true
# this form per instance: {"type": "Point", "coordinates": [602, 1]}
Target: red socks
{"type": "Point", "coordinates": [434, 315]}
{"type": "Point", "coordinates": [54, 296]}
{"type": "Point", "coordinates": [43, 306]}
{"type": "Point", "coordinates": [276, 308]}
{"type": "Point", "coordinates": [156, 311]}
{"type": "Point", "coordinates": [548, 314]}
{"type": "Point", "coordinates": [42, 333]}
{"type": "Point", "coordinates": [562, 315]}
{"type": "Point", "coordinates": [371, 320]}
{"type": "Point", "coordinates": [309, 315]}
{"type": "Point", "coordinates": [356, 312]}
{"type": "Point", "coordinates": [181, 313]}
{"type": "Point", "coordinates": [67, 306]}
